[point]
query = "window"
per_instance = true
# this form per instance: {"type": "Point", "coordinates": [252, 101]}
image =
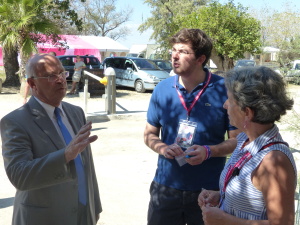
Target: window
{"type": "Point", "coordinates": [67, 61]}
{"type": "Point", "coordinates": [115, 63]}
{"type": "Point", "coordinates": [92, 61]}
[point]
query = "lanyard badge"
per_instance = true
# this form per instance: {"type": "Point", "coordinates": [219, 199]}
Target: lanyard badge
{"type": "Point", "coordinates": [186, 128]}
{"type": "Point", "coordinates": [186, 132]}
{"type": "Point", "coordinates": [184, 138]}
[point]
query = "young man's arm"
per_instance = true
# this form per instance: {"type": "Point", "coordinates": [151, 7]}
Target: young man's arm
{"type": "Point", "coordinates": [152, 140]}
{"type": "Point", "coordinates": [226, 147]}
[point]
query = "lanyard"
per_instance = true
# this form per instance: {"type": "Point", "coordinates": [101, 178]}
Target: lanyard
{"type": "Point", "coordinates": [234, 170]}
{"type": "Point", "coordinates": [196, 98]}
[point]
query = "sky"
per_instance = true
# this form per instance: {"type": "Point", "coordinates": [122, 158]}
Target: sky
{"type": "Point", "coordinates": [141, 11]}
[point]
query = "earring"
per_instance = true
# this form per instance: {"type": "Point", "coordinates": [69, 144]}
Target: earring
{"type": "Point", "coordinates": [246, 122]}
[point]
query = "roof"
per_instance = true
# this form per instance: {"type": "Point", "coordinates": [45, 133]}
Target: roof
{"type": "Point", "coordinates": [105, 44]}
{"type": "Point", "coordinates": [81, 56]}
{"type": "Point", "coordinates": [137, 48]}
{"type": "Point", "coordinates": [270, 49]}
{"type": "Point", "coordinates": [127, 57]}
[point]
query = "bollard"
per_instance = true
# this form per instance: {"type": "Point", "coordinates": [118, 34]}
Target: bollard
{"type": "Point", "coordinates": [85, 93]}
{"type": "Point", "coordinates": [110, 91]}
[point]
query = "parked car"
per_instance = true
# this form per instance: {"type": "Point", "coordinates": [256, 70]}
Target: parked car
{"type": "Point", "coordinates": [68, 62]}
{"type": "Point", "coordinates": [138, 55]}
{"type": "Point", "coordinates": [163, 64]}
{"type": "Point", "coordinates": [293, 76]}
{"type": "Point", "coordinates": [138, 73]}
{"type": "Point", "coordinates": [244, 63]}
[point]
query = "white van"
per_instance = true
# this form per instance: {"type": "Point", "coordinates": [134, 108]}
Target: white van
{"type": "Point", "coordinates": [138, 73]}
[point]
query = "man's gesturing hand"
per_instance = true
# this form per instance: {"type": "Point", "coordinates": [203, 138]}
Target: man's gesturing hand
{"type": "Point", "coordinates": [79, 142]}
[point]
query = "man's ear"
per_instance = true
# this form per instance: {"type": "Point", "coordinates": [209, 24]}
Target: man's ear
{"type": "Point", "coordinates": [201, 59]}
{"type": "Point", "coordinates": [31, 82]}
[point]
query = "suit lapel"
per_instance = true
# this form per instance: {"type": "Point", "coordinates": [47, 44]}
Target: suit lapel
{"type": "Point", "coordinates": [42, 120]}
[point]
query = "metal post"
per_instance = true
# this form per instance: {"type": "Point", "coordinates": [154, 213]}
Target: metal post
{"type": "Point", "coordinates": [85, 93]}
{"type": "Point", "coordinates": [110, 91]}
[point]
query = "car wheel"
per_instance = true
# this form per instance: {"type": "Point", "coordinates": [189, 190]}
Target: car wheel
{"type": "Point", "coordinates": [139, 86]}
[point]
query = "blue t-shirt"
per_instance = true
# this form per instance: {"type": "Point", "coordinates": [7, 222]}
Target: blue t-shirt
{"type": "Point", "coordinates": [165, 111]}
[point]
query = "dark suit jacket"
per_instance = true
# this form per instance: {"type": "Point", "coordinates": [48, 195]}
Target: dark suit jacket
{"type": "Point", "coordinates": [34, 160]}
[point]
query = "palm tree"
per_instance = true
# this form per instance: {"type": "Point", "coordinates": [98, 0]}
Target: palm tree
{"type": "Point", "coordinates": [22, 21]}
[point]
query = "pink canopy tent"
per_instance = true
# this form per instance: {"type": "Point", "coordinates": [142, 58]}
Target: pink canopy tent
{"type": "Point", "coordinates": [75, 45]}
{"type": "Point", "coordinates": [80, 45]}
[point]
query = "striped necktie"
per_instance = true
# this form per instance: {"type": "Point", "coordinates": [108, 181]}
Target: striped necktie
{"type": "Point", "coordinates": [78, 163]}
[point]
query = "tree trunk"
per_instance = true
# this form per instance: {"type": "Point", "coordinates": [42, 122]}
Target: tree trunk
{"type": "Point", "coordinates": [23, 89]}
{"type": "Point", "coordinates": [11, 67]}
{"type": "Point", "coordinates": [223, 63]}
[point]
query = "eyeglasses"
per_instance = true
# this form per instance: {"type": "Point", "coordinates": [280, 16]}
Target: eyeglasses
{"type": "Point", "coordinates": [54, 78]}
{"type": "Point", "coordinates": [181, 52]}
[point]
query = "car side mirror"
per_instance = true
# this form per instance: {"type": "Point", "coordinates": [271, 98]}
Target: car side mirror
{"type": "Point", "coordinates": [130, 70]}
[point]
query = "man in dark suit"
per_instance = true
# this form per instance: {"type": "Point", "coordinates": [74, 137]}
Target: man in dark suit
{"type": "Point", "coordinates": [40, 162]}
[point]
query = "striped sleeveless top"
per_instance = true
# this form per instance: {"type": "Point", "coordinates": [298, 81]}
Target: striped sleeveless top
{"type": "Point", "coordinates": [242, 199]}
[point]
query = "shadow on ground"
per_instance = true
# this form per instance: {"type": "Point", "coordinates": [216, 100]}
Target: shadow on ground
{"type": "Point", "coordinates": [6, 202]}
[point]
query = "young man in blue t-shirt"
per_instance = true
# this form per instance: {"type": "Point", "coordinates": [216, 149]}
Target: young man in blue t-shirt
{"type": "Point", "coordinates": [186, 126]}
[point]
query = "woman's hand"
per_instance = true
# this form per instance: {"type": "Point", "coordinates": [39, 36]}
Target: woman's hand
{"type": "Point", "coordinates": [212, 215]}
{"type": "Point", "coordinates": [209, 198]}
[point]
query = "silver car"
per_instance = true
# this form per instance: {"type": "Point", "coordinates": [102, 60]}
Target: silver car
{"type": "Point", "coordinates": [244, 63]}
{"type": "Point", "coordinates": [138, 73]}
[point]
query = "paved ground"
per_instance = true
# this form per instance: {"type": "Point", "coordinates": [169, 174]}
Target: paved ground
{"type": "Point", "coordinates": [124, 165]}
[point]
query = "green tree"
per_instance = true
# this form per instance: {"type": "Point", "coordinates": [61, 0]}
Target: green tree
{"type": "Point", "coordinates": [233, 31]}
{"type": "Point", "coordinates": [25, 22]}
{"type": "Point", "coordinates": [289, 51]}
{"type": "Point", "coordinates": [162, 19]}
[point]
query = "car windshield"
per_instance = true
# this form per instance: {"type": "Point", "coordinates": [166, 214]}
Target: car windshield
{"type": "Point", "coordinates": [166, 65]}
{"type": "Point", "coordinates": [132, 55]}
{"type": "Point", "coordinates": [144, 64]}
{"type": "Point", "coordinates": [246, 63]}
